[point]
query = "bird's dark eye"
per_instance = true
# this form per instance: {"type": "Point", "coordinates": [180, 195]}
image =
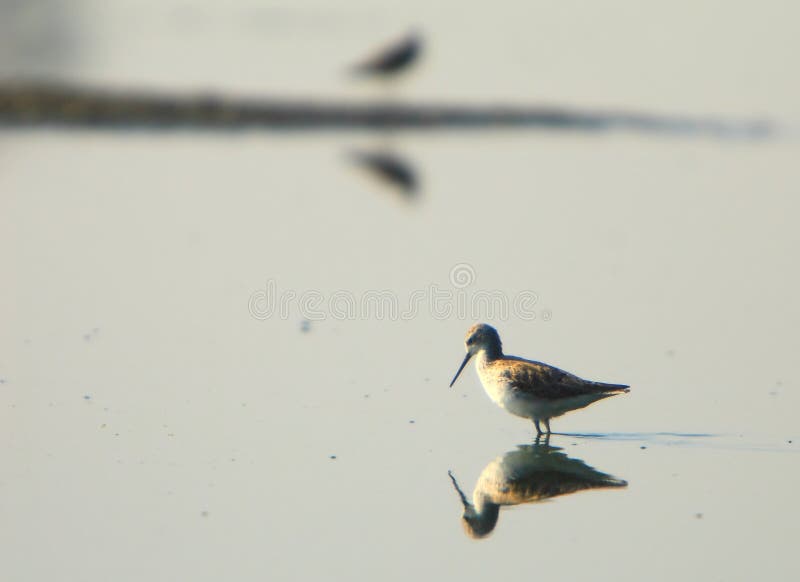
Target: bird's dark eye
{"type": "Point", "coordinates": [470, 341]}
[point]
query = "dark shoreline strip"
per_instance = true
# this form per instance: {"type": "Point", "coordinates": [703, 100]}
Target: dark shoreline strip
{"type": "Point", "coordinates": [66, 106]}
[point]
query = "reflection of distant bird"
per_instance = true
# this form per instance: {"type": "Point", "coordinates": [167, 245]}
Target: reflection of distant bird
{"type": "Point", "coordinates": [391, 168]}
{"type": "Point", "coordinates": [529, 474]}
{"type": "Point", "coordinates": [392, 59]}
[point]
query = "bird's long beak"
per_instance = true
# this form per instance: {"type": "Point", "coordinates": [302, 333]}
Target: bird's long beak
{"type": "Point", "coordinates": [464, 363]}
{"type": "Point", "coordinates": [463, 497]}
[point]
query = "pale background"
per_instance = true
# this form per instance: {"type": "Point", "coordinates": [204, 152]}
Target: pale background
{"type": "Point", "coordinates": [154, 430]}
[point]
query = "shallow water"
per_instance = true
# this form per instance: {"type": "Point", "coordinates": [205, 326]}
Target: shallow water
{"type": "Point", "coordinates": [164, 420]}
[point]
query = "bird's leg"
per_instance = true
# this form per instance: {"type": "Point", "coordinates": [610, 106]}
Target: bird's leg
{"type": "Point", "coordinates": [536, 424]}
{"type": "Point", "coordinates": [547, 425]}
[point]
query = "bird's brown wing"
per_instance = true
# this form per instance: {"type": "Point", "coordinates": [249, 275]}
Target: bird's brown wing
{"type": "Point", "coordinates": [548, 382]}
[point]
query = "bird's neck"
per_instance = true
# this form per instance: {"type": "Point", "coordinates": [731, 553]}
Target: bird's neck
{"type": "Point", "coordinates": [482, 503]}
{"type": "Point", "coordinates": [491, 353]}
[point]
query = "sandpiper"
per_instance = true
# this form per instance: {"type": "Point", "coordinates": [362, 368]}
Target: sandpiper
{"type": "Point", "coordinates": [526, 388]}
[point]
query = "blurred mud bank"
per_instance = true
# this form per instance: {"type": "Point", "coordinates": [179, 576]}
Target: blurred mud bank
{"type": "Point", "coordinates": [57, 104]}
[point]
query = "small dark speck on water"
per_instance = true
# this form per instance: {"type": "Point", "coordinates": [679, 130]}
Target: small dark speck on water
{"type": "Point", "coordinates": [411, 421]}
{"type": "Point", "coordinates": [366, 395]}
{"type": "Point", "coordinates": [87, 397]}
{"type": "Point", "coordinates": [790, 442]}
{"type": "Point", "coordinates": [89, 336]}
{"type": "Point", "coordinates": [204, 514]}
{"type": "Point", "coordinates": [305, 326]}
{"type": "Point", "coordinates": [643, 447]}
{"type": "Point", "coordinates": [332, 457]}
{"type": "Point", "coordinates": [2, 380]}
{"type": "Point", "coordinates": [698, 515]}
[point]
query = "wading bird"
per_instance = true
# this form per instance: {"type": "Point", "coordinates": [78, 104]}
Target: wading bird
{"type": "Point", "coordinates": [526, 388]}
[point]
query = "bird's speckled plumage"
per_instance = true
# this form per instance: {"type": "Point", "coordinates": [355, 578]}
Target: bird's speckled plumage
{"type": "Point", "coordinates": [527, 388]}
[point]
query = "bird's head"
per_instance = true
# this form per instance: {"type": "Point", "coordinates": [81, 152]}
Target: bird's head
{"type": "Point", "coordinates": [477, 524]}
{"type": "Point", "coordinates": [480, 337]}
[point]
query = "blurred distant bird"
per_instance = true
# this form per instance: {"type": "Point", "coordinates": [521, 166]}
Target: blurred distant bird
{"type": "Point", "coordinates": [392, 59]}
{"type": "Point", "coordinates": [390, 168]}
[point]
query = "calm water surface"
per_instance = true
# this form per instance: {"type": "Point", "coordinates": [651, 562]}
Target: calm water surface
{"type": "Point", "coordinates": [160, 424]}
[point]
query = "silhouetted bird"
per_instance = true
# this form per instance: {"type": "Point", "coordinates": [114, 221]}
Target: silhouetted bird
{"type": "Point", "coordinates": [392, 59]}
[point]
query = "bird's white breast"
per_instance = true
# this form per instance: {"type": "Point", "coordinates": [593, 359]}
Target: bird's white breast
{"type": "Point", "coordinates": [495, 385]}
{"type": "Point", "coordinates": [499, 389]}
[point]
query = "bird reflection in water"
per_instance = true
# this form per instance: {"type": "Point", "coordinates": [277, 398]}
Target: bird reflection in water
{"type": "Point", "coordinates": [391, 169]}
{"type": "Point", "coordinates": [528, 474]}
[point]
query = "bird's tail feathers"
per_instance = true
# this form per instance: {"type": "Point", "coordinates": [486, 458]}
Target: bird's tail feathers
{"type": "Point", "coordinates": [604, 387]}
